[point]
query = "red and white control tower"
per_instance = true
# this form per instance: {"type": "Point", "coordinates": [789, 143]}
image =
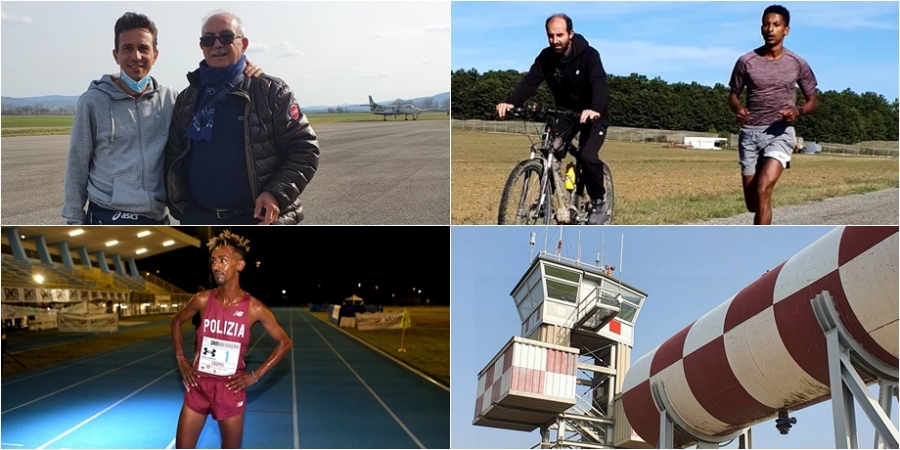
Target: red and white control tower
{"type": "Point", "coordinates": [565, 372]}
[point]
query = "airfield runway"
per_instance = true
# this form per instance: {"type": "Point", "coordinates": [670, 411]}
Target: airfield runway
{"type": "Point", "coordinates": [330, 392]}
{"type": "Point", "coordinates": [872, 208]}
{"type": "Point", "coordinates": [394, 172]}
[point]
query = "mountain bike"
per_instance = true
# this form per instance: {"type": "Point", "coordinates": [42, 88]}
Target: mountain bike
{"type": "Point", "coordinates": [538, 191]}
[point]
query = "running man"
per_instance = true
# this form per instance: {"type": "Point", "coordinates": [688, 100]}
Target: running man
{"type": "Point", "coordinates": [216, 380]}
{"type": "Point", "coordinates": [770, 74]}
{"type": "Point", "coordinates": [575, 76]}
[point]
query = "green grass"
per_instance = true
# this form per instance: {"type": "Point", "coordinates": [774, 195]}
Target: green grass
{"type": "Point", "coordinates": [36, 121]}
{"type": "Point", "coordinates": [427, 342]}
{"type": "Point", "coordinates": [52, 125]}
{"type": "Point", "coordinates": [35, 125]}
{"type": "Point", "coordinates": [656, 185]}
{"type": "Point", "coordinates": [58, 354]}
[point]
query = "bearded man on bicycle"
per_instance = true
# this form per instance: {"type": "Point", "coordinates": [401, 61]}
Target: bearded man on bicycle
{"type": "Point", "coordinates": [574, 73]}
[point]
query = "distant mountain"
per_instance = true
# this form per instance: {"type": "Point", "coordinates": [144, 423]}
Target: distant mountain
{"type": "Point", "coordinates": [362, 107]}
{"type": "Point", "coordinates": [49, 101]}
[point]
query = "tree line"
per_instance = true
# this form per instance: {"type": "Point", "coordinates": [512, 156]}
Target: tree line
{"type": "Point", "coordinates": [38, 110]}
{"type": "Point", "coordinates": [636, 101]}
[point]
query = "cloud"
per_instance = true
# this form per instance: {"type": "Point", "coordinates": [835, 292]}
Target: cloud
{"type": "Point", "coordinates": [443, 28]}
{"type": "Point", "coordinates": [6, 17]}
{"type": "Point", "coordinates": [425, 63]}
{"type": "Point", "coordinates": [651, 58]}
{"type": "Point", "coordinates": [413, 31]}
{"type": "Point", "coordinates": [282, 49]}
{"type": "Point", "coordinates": [372, 75]}
{"type": "Point", "coordinates": [846, 16]}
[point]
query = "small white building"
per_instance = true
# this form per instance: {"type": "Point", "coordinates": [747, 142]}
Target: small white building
{"type": "Point", "coordinates": [706, 143]}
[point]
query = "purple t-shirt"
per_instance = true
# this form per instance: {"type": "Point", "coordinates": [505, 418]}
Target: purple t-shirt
{"type": "Point", "coordinates": [771, 85]}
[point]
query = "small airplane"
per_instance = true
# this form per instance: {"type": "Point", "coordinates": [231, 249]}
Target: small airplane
{"type": "Point", "coordinates": [406, 110]}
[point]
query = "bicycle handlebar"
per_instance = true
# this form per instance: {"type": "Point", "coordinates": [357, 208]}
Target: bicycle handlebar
{"type": "Point", "coordinates": [558, 112]}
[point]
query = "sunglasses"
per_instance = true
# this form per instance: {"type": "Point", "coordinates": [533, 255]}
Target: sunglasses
{"type": "Point", "coordinates": [225, 39]}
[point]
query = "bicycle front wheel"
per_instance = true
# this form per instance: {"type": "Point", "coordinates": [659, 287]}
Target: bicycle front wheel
{"type": "Point", "coordinates": [522, 202]}
{"type": "Point", "coordinates": [609, 195]}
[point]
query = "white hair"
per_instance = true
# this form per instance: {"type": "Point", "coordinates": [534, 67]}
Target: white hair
{"type": "Point", "coordinates": [235, 20]}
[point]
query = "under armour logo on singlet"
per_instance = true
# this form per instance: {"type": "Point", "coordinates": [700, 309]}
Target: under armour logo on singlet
{"type": "Point", "coordinates": [208, 352]}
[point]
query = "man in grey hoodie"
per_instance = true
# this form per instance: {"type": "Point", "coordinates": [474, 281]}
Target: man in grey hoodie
{"type": "Point", "coordinates": [121, 128]}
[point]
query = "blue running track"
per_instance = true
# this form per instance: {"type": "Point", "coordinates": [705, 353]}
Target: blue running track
{"type": "Point", "coordinates": [331, 392]}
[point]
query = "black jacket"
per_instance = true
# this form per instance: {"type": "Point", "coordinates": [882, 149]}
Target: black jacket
{"type": "Point", "coordinates": [577, 82]}
{"type": "Point", "coordinates": [281, 151]}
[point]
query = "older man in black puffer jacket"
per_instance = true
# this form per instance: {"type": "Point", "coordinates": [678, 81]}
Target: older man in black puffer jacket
{"type": "Point", "coordinates": [239, 151]}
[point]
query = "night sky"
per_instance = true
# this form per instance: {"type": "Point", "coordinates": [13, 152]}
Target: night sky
{"type": "Point", "coordinates": [323, 264]}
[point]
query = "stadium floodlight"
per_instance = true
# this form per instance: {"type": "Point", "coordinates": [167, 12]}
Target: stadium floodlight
{"type": "Point", "coordinates": [39, 278]}
{"type": "Point", "coordinates": [76, 232]}
{"type": "Point", "coordinates": [141, 250]}
{"type": "Point", "coordinates": [168, 243]}
{"type": "Point", "coordinates": [144, 233]}
{"type": "Point", "coordinates": [111, 243]}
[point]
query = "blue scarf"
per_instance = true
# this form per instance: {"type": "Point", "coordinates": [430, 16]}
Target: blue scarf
{"type": "Point", "coordinates": [215, 82]}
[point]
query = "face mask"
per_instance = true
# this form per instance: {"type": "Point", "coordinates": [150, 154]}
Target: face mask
{"type": "Point", "coordinates": [136, 86]}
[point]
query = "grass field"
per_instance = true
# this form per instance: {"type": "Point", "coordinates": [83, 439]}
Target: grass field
{"type": "Point", "coordinates": [49, 356]}
{"type": "Point", "coordinates": [427, 342]}
{"type": "Point", "coordinates": [49, 125]}
{"type": "Point", "coordinates": [35, 125]}
{"type": "Point", "coordinates": [656, 185]}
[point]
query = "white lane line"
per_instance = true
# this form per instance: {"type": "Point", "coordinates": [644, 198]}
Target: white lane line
{"type": "Point", "coordinates": [86, 421]}
{"type": "Point", "coordinates": [294, 387]}
{"type": "Point", "coordinates": [171, 444]}
{"type": "Point", "coordinates": [78, 361]}
{"type": "Point", "coordinates": [14, 445]}
{"type": "Point", "coordinates": [385, 406]}
{"type": "Point", "coordinates": [85, 381]}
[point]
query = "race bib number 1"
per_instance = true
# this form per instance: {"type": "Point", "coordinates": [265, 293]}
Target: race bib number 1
{"type": "Point", "coordinates": [219, 357]}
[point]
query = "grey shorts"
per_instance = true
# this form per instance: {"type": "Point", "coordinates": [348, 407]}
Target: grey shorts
{"type": "Point", "coordinates": [774, 141]}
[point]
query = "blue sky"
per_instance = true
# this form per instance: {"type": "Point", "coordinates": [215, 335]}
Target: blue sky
{"type": "Point", "coordinates": [847, 44]}
{"type": "Point", "coordinates": [686, 271]}
{"type": "Point", "coordinates": [328, 52]}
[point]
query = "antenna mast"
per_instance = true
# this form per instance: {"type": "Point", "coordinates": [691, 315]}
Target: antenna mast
{"type": "Point", "coordinates": [621, 252]}
{"type": "Point", "coordinates": [559, 244]}
{"type": "Point", "coordinates": [578, 258]}
{"type": "Point", "coordinates": [531, 245]}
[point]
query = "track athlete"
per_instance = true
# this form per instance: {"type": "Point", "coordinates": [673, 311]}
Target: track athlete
{"type": "Point", "coordinates": [216, 380]}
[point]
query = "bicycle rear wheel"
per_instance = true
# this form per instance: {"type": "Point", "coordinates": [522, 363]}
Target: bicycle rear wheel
{"type": "Point", "coordinates": [521, 202]}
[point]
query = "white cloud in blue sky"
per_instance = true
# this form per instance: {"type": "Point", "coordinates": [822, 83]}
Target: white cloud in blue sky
{"type": "Point", "coordinates": [848, 44]}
